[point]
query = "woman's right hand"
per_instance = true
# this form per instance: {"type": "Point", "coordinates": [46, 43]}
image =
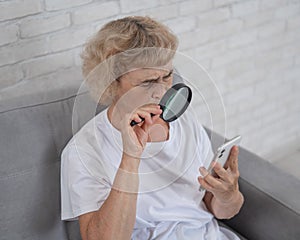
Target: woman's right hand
{"type": "Point", "coordinates": [135, 137]}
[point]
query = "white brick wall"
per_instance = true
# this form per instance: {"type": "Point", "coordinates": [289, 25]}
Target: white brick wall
{"type": "Point", "coordinates": [9, 33]}
{"type": "Point", "coordinates": [287, 11]}
{"type": "Point", "coordinates": [293, 22]}
{"type": "Point", "coordinates": [192, 39]}
{"type": "Point", "coordinates": [243, 38]}
{"type": "Point", "coordinates": [271, 4]}
{"type": "Point", "coordinates": [194, 7]}
{"type": "Point", "coordinates": [70, 38]}
{"type": "Point", "coordinates": [10, 75]}
{"type": "Point", "coordinates": [128, 6]}
{"type": "Point", "coordinates": [47, 64]}
{"type": "Point", "coordinates": [297, 61]}
{"type": "Point", "coordinates": [220, 3]}
{"type": "Point", "coordinates": [244, 8]}
{"type": "Point", "coordinates": [258, 18]}
{"type": "Point", "coordinates": [251, 48]}
{"type": "Point", "coordinates": [36, 26]}
{"type": "Point", "coordinates": [270, 29]}
{"type": "Point", "coordinates": [226, 58]}
{"type": "Point", "coordinates": [182, 24]}
{"type": "Point", "coordinates": [94, 12]}
{"type": "Point", "coordinates": [161, 12]}
{"type": "Point", "coordinates": [214, 16]}
{"type": "Point", "coordinates": [22, 50]}
{"type": "Point", "coordinates": [52, 5]}
{"type": "Point", "coordinates": [19, 8]}
{"type": "Point", "coordinates": [226, 29]}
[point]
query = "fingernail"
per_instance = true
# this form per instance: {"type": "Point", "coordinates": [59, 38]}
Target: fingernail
{"type": "Point", "coordinates": [202, 171]}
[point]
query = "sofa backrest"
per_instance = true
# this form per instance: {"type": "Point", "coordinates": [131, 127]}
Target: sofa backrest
{"type": "Point", "coordinates": [32, 138]}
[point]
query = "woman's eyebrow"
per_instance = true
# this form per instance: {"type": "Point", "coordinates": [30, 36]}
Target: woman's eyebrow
{"type": "Point", "coordinates": [156, 79]}
{"type": "Point", "coordinates": [150, 79]}
{"type": "Point", "coordinates": [171, 71]}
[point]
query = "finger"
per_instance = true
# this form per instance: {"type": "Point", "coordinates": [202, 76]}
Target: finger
{"type": "Point", "coordinates": [221, 172]}
{"type": "Point", "coordinates": [143, 115]}
{"type": "Point", "coordinates": [233, 159]}
{"type": "Point", "coordinates": [203, 171]}
{"type": "Point", "coordinates": [136, 118]}
{"type": "Point", "coordinates": [146, 112]}
{"type": "Point", "coordinates": [226, 165]}
{"type": "Point", "coordinates": [212, 181]}
{"type": "Point", "coordinates": [152, 108]}
{"type": "Point", "coordinates": [204, 184]}
{"type": "Point", "coordinates": [147, 124]}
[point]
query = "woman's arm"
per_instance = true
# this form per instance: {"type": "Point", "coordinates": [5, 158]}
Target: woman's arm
{"type": "Point", "coordinates": [223, 197]}
{"type": "Point", "coordinates": [116, 217]}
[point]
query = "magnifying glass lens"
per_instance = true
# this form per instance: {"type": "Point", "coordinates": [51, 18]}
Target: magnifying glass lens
{"type": "Point", "coordinates": [174, 102]}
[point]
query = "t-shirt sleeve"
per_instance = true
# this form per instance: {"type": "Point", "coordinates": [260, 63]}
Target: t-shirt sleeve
{"type": "Point", "coordinates": [81, 192]}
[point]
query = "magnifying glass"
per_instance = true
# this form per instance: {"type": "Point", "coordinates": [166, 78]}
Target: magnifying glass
{"type": "Point", "coordinates": [173, 103]}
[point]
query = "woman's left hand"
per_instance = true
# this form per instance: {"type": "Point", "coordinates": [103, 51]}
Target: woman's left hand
{"type": "Point", "coordinates": [224, 186]}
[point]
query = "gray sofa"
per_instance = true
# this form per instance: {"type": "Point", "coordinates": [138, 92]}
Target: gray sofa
{"type": "Point", "coordinates": [34, 130]}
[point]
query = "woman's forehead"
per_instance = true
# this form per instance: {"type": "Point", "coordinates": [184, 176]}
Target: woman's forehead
{"type": "Point", "coordinates": [148, 72]}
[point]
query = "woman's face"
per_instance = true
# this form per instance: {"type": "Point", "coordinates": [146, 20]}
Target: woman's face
{"type": "Point", "coordinates": [142, 86]}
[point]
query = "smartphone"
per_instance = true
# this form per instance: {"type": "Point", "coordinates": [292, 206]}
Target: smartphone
{"type": "Point", "coordinates": [222, 154]}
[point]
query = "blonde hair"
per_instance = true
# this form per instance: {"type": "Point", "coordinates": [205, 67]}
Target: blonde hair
{"type": "Point", "coordinates": [122, 45]}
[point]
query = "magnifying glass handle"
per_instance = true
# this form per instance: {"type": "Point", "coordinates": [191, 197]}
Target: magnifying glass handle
{"type": "Point", "coordinates": [143, 119]}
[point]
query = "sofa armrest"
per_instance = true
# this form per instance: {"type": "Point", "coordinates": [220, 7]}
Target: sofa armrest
{"type": "Point", "coordinates": [263, 217]}
{"type": "Point", "coordinates": [272, 207]}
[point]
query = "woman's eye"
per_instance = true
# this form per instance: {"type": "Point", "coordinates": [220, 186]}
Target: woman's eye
{"type": "Point", "coordinates": [146, 84]}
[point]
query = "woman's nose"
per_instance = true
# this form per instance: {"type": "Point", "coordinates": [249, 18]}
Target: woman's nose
{"type": "Point", "coordinates": [158, 91]}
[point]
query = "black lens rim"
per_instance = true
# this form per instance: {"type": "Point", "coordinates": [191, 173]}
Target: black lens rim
{"type": "Point", "coordinates": [169, 94]}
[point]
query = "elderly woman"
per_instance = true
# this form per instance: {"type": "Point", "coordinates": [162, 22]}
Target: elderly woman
{"type": "Point", "coordinates": [142, 181]}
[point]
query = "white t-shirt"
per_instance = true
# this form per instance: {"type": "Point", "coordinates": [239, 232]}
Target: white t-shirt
{"type": "Point", "coordinates": [169, 204]}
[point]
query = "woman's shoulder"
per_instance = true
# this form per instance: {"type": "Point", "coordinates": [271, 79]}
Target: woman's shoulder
{"type": "Point", "coordinates": [89, 134]}
{"type": "Point", "coordinates": [86, 149]}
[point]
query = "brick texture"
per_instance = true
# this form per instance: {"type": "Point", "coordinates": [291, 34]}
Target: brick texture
{"type": "Point", "coordinates": [19, 8]}
{"type": "Point", "coordinates": [9, 33]}
{"type": "Point", "coordinates": [128, 6]}
{"type": "Point", "coordinates": [95, 12]}
{"type": "Point", "coordinates": [48, 64]}
{"type": "Point", "coordinates": [36, 26]}
{"type": "Point", "coordinates": [52, 5]}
